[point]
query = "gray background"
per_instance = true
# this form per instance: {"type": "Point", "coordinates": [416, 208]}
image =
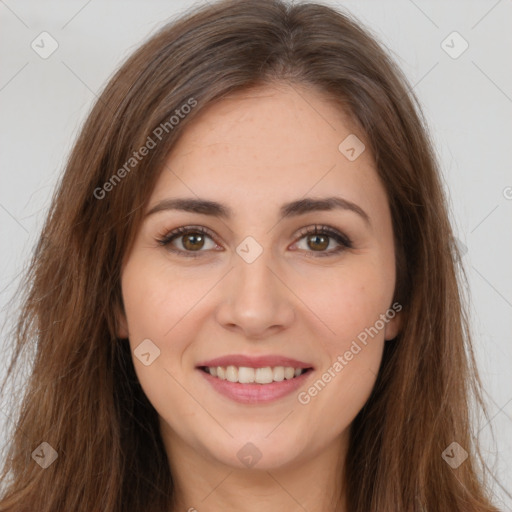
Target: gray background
{"type": "Point", "coordinates": [467, 101]}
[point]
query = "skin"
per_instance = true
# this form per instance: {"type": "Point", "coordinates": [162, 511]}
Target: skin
{"type": "Point", "coordinates": [253, 152]}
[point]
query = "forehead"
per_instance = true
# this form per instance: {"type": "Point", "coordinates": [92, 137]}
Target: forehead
{"type": "Point", "coordinates": [266, 123]}
{"type": "Point", "coordinates": [276, 140]}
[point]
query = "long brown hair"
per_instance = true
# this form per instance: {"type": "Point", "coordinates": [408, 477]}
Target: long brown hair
{"type": "Point", "coordinates": [82, 396]}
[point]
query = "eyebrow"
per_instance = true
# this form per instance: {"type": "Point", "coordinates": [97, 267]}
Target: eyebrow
{"type": "Point", "coordinates": [291, 209]}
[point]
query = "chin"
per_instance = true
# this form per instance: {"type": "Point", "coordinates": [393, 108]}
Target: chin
{"type": "Point", "coordinates": [258, 454]}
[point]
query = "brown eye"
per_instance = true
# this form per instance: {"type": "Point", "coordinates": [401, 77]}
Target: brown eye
{"type": "Point", "coordinates": [318, 239]}
{"type": "Point", "coordinates": [193, 241]}
{"type": "Point", "coordinates": [318, 242]}
{"type": "Point", "coordinates": [188, 241]}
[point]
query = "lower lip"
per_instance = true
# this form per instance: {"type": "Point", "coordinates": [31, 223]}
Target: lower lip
{"type": "Point", "coordinates": [255, 393]}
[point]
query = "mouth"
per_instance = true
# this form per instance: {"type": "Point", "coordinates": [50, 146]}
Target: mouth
{"type": "Point", "coordinates": [247, 375]}
{"type": "Point", "coordinates": [255, 380]}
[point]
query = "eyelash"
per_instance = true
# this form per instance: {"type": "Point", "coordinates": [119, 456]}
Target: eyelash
{"type": "Point", "coordinates": [343, 241]}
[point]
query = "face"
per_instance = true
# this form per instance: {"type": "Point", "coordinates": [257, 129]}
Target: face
{"type": "Point", "coordinates": [256, 338]}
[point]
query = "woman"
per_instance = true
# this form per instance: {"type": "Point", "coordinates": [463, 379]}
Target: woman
{"type": "Point", "coordinates": [245, 296]}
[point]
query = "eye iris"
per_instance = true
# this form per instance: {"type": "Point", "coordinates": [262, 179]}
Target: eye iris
{"type": "Point", "coordinates": [315, 238]}
{"type": "Point", "coordinates": [197, 238]}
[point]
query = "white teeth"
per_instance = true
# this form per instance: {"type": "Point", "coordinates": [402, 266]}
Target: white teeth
{"type": "Point", "coordinates": [232, 374]}
{"type": "Point", "coordinates": [289, 373]}
{"type": "Point", "coordinates": [264, 375]}
{"type": "Point", "coordinates": [279, 373]}
{"type": "Point", "coordinates": [245, 375]}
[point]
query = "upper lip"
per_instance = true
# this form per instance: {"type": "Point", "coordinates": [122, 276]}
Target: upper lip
{"type": "Point", "coordinates": [255, 361]}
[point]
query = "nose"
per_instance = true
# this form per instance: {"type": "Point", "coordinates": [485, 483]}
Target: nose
{"type": "Point", "coordinates": [256, 301]}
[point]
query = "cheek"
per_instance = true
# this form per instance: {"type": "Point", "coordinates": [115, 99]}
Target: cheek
{"type": "Point", "coordinates": [337, 396]}
{"type": "Point", "coordinates": [350, 300]}
{"type": "Point", "coordinates": [352, 305]}
{"type": "Point", "coordinates": [159, 305]}
{"type": "Point", "coordinates": [158, 298]}
{"type": "Point", "coordinates": [353, 347]}
{"type": "Point", "coordinates": [356, 341]}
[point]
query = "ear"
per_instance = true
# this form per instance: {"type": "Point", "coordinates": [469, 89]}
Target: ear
{"type": "Point", "coordinates": [394, 325]}
{"type": "Point", "coordinates": [121, 322]}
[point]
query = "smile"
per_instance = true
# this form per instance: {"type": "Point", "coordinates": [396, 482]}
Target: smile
{"type": "Point", "coordinates": [247, 375]}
